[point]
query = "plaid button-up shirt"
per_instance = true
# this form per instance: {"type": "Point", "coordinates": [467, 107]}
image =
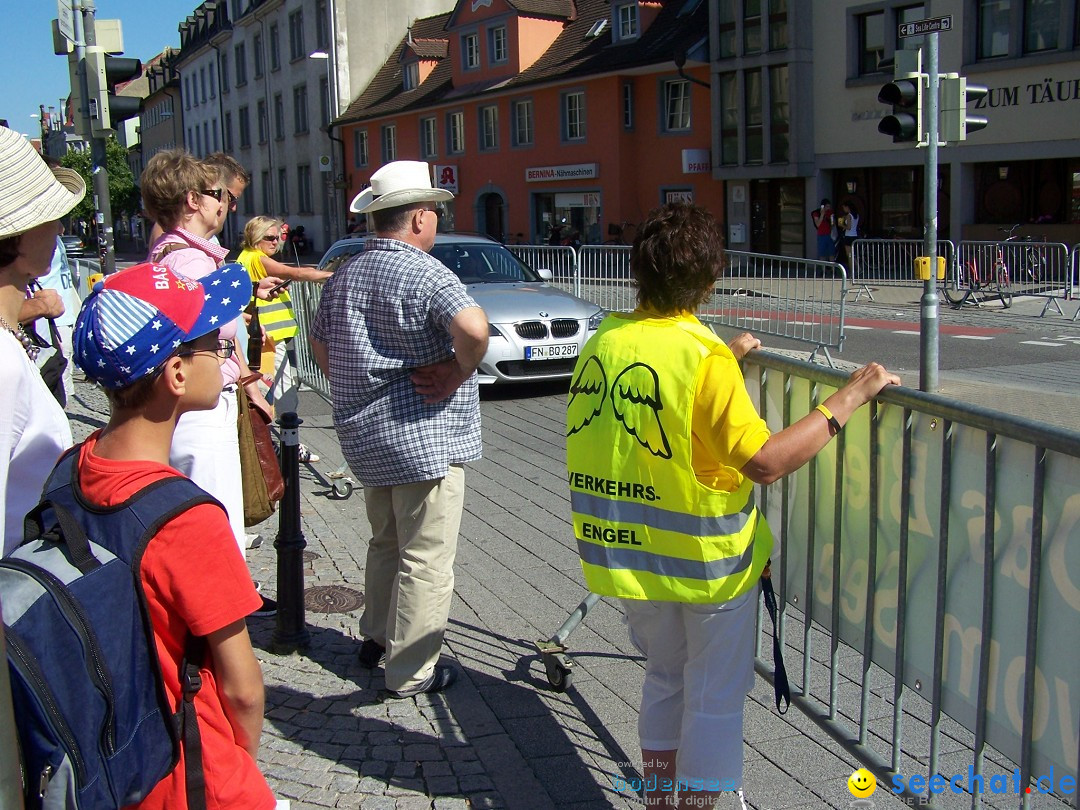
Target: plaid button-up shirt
{"type": "Point", "coordinates": [382, 314]}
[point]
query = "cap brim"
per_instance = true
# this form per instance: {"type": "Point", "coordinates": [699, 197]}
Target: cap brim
{"type": "Point", "coordinates": [403, 197]}
{"type": "Point", "coordinates": [229, 291]}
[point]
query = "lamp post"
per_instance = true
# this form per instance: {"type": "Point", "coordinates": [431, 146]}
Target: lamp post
{"type": "Point", "coordinates": [329, 208]}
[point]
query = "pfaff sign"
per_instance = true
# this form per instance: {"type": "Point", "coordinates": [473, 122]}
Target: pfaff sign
{"type": "Point", "coordinates": [446, 178]}
{"type": "Point", "coordinates": [573, 171]}
{"type": "Point", "coordinates": [696, 161]}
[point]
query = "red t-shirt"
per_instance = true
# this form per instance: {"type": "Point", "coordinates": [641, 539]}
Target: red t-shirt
{"type": "Point", "coordinates": [194, 579]}
{"type": "Point", "coordinates": [823, 221]}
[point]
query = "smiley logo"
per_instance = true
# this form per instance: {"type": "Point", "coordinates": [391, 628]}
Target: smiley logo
{"type": "Point", "coordinates": [862, 783]}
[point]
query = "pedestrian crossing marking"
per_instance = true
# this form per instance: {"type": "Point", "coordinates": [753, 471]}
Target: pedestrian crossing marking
{"type": "Point", "coordinates": [1040, 343]}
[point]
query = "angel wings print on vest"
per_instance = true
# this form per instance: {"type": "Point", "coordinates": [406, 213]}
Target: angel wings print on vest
{"type": "Point", "coordinates": [635, 401]}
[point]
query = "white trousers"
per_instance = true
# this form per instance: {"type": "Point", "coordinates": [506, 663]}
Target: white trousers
{"type": "Point", "coordinates": [699, 668]}
{"type": "Point", "coordinates": [206, 448]}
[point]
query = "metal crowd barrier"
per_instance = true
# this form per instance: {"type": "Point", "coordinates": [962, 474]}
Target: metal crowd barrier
{"type": "Point", "coordinates": [1074, 278]}
{"type": "Point", "coordinates": [929, 569]}
{"type": "Point", "coordinates": [560, 260]}
{"type": "Point", "coordinates": [1039, 269]}
{"type": "Point", "coordinates": [799, 299]}
{"type": "Point", "coordinates": [305, 297]}
{"type": "Point", "coordinates": [890, 262]}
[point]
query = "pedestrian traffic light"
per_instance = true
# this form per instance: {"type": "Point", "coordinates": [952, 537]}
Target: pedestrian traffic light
{"type": "Point", "coordinates": [955, 121]}
{"type": "Point", "coordinates": [905, 94]}
{"type": "Point", "coordinates": [103, 73]}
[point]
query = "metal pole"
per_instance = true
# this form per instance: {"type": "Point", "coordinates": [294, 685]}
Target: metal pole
{"type": "Point", "coordinates": [99, 172]}
{"type": "Point", "coordinates": [290, 631]}
{"type": "Point", "coordinates": [928, 304]}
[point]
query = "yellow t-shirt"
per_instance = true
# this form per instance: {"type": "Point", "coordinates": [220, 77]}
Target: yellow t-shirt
{"type": "Point", "coordinates": [726, 430]}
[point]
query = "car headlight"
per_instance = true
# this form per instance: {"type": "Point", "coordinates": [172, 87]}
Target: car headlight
{"type": "Point", "coordinates": [596, 318]}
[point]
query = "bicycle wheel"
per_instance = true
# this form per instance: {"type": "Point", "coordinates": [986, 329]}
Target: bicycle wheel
{"type": "Point", "coordinates": [956, 289]}
{"type": "Point", "coordinates": [1003, 286]}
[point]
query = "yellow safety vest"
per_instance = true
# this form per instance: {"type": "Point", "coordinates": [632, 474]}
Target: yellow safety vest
{"type": "Point", "coordinates": [646, 527]}
{"type": "Point", "coordinates": [276, 316]}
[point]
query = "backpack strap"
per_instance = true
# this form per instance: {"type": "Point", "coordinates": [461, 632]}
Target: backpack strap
{"type": "Point", "coordinates": [166, 249]}
{"type": "Point", "coordinates": [188, 723]}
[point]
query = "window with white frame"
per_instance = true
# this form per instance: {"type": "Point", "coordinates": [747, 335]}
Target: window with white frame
{"type": "Point", "coordinates": [628, 105]}
{"type": "Point", "coordinates": [574, 116]}
{"type": "Point", "coordinates": [296, 35]}
{"type": "Point", "coordinates": [240, 52]}
{"type": "Point", "coordinates": [489, 128]}
{"type": "Point", "coordinates": [389, 143]}
{"type": "Point", "coordinates": [455, 133]}
{"type": "Point", "coordinates": [497, 44]}
{"type": "Point", "coordinates": [523, 122]}
{"type": "Point", "coordinates": [275, 47]}
{"type": "Point", "coordinates": [300, 116]}
{"type": "Point", "coordinates": [627, 20]}
{"type": "Point", "coordinates": [470, 51]}
{"type": "Point", "coordinates": [303, 190]}
{"type": "Point", "coordinates": [411, 76]}
{"type": "Point", "coordinates": [428, 142]}
{"type": "Point", "coordinates": [676, 105]}
{"type": "Point", "coordinates": [360, 148]}
{"type": "Point", "coordinates": [283, 189]}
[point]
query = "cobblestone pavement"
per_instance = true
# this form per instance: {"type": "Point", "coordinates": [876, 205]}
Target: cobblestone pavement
{"type": "Point", "coordinates": [500, 737]}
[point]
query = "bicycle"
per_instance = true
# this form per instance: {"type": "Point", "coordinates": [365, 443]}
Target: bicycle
{"type": "Point", "coordinates": [969, 283]}
{"type": "Point", "coordinates": [1033, 266]}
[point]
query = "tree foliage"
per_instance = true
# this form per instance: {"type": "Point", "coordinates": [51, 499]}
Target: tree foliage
{"type": "Point", "coordinates": [123, 193]}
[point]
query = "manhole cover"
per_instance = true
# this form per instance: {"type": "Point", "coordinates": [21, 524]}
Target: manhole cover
{"type": "Point", "coordinates": [332, 599]}
{"type": "Point", "coordinates": [311, 555]}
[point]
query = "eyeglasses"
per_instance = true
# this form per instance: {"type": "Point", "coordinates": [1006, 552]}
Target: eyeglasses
{"type": "Point", "coordinates": [224, 350]}
{"type": "Point", "coordinates": [232, 200]}
{"type": "Point", "coordinates": [216, 193]}
{"type": "Point", "coordinates": [435, 211]}
{"type": "Point", "coordinates": [269, 238]}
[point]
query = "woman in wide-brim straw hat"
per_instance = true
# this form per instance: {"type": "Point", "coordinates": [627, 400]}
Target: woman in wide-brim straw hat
{"type": "Point", "coordinates": [33, 428]}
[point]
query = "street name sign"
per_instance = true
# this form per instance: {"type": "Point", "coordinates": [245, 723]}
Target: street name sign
{"type": "Point", "coordinates": [65, 19]}
{"type": "Point", "coordinates": [928, 26]}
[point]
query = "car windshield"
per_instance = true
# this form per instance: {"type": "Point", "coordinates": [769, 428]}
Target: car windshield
{"type": "Point", "coordinates": [472, 262]}
{"type": "Point", "coordinates": [480, 263]}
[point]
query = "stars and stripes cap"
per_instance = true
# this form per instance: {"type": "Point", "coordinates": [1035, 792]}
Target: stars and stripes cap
{"type": "Point", "coordinates": [134, 320]}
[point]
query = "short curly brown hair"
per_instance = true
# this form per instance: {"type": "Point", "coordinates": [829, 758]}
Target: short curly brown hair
{"type": "Point", "coordinates": [677, 256]}
{"type": "Point", "coordinates": [168, 178]}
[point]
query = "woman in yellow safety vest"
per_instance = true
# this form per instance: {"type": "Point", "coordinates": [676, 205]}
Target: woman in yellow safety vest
{"type": "Point", "coordinates": [663, 449]}
{"type": "Point", "coordinates": [262, 239]}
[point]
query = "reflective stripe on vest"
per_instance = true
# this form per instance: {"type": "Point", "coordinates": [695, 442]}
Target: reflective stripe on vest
{"type": "Point", "coordinates": [614, 557]}
{"type": "Point", "coordinates": [654, 517]}
{"type": "Point", "coordinates": [276, 317]}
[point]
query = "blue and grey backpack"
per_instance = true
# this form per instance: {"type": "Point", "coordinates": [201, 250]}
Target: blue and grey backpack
{"type": "Point", "coordinates": [93, 720]}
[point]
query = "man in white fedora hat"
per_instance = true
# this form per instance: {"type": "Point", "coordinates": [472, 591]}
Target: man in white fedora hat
{"type": "Point", "coordinates": [400, 339]}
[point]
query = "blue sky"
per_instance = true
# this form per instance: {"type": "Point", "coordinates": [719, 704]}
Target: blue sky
{"type": "Point", "coordinates": [30, 74]}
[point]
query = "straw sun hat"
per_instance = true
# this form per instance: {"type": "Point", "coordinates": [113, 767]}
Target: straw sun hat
{"type": "Point", "coordinates": [398, 183]}
{"type": "Point", "coordinates": [31, 193]}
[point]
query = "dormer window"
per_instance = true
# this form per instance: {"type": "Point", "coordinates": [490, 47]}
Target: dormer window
{"type": "Point", "coordinates": [411, 79]}
{"type": "Point", "coordinates": [470, 50]}
{"type": "Point", "coordinates": [497, 44]}
{"type": "Point", "coordinates": [627, 18]}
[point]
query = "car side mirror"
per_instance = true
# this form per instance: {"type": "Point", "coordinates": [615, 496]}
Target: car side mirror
{"type": "Point", "coordinates": [545, 274]}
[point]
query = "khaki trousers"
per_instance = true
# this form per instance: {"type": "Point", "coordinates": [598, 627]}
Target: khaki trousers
{"type": "Point", "coordinates": [409, 580]}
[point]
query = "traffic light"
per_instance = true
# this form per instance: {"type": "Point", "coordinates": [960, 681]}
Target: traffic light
{"type": "Point", "coordinates": [955, 94]}
{"type": "Point", "coordinates": [103, 73]}
{"type": "Point", "coordinates": [905, 94]}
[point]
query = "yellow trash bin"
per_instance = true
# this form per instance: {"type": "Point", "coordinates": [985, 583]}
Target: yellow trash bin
{"type": "Point", "coordinates": [922, 268]}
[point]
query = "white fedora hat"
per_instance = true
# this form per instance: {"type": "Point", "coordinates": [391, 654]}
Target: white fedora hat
{"type": "Point", "coordinates": [398, 183]}
{"type": "Point", "coordinates": [32, 193]}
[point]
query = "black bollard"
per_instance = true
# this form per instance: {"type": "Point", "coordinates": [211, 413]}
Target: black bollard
{"type": "Point", "coordinates": [290, 630]}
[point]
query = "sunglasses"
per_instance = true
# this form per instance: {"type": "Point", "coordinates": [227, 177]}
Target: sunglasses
{"type": "Point", "coordinates": [224, 350]}
{"type": "Point", "coordinates": [216, 193]}
{"type": "Point", "coordinates": [271, 238]}
{"type": "Point", "coordinates": [232, 200]}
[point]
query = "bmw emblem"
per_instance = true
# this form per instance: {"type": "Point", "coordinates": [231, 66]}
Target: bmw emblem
{"type": "Point", "coordinates": [543, 314]}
